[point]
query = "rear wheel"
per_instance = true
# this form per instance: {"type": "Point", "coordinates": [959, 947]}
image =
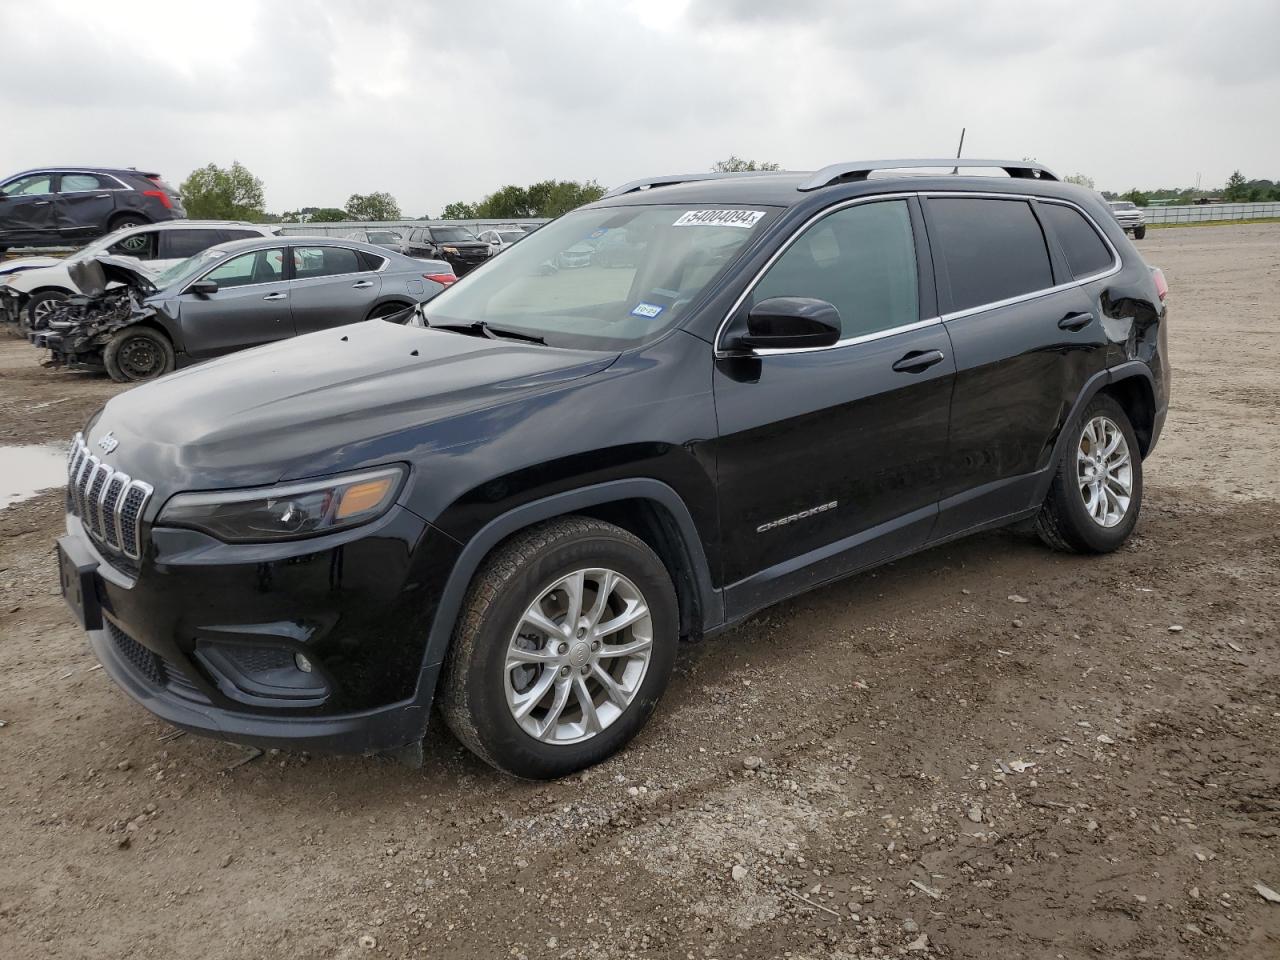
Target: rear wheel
{"type": "Point", "coordinates": [126, 220]}
{"type": "Point", "coordinates": [564, 645]}
{"type": "Point", "coordinates": [138, 353]}
{"type": "Point", "coordinates": [386, 310]}
{"type": "Point", "coordinates": [1096, 495]}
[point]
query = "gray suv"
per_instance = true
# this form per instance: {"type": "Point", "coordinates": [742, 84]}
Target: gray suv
{"type": "Point", "coordinates": [229, 297]}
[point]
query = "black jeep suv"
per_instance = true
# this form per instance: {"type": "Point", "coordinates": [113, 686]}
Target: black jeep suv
{"type": "Point", "coordinates": [520, 502]}
{"type": "Point", "coordinates": [60, 205]}
{"type": "Point", "coordinates": [457, 246]}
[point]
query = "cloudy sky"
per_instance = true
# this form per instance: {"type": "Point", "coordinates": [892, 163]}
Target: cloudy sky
{"type": "Point", "coordinates": [447, 101]}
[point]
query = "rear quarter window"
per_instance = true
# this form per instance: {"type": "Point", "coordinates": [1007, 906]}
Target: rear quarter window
{"type": "Point", "coordinates": [1086, 252]}
{"type": "Point", "coordinates": [993, 249]}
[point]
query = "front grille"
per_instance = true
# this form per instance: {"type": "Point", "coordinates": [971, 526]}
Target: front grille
{"type": "Point", "coordinates": [109, 503]}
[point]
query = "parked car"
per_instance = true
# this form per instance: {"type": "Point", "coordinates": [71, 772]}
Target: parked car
{"type": "Point", "coordinates": [499, 240]}
{"type": "Point", "coordinates": [1130, 217]}
{"type": "Point", "coordinates": [520, 503]}
{"type": "Point", "coordinates": [441, 271]}
{"type": "Point", "coordinates": [30, 287]}
{"type": "Point", "coordinates": [618, 248]}
{"type": "Point", "coordinates": [457, 245]}
{"type": "Point", "coordinates": [60, 205]}
{"type": "Point", "coordinates": [387, 239]}
{"type": "Point", "coordinates": [229, 297]}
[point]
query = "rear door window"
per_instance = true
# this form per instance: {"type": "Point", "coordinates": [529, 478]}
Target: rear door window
{"type": "Point", "coordinates": [862, 260]}
{"type": "Point", "coordinates": [1086, 252]}
{"type": "Point", "coordinates": [993, 249]}
{"type": "Point", "coordinates": [311, 262]}
{"type": "Point", "coordinates": [82, 183]}
{"type": "Point", "coordinates": [180, 244]}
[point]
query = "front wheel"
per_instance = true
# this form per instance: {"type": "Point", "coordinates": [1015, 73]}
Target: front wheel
{"type": "Point", "coordinates": [1096, 495]}
{"type": "Point", "coordinates": [564, 645]}
{"type": "Point", "coordinates": [1139, 233]}
{"type": "Point", "coordinates": [39, 307]}
{"type": "Point", "coordinates": [138, 353]}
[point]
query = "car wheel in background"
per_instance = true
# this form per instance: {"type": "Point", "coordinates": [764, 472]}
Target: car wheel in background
{"type": "Point", "coordinates": [565, 642]}
{"type": "Point", "coordinates": [38, 308]}
{"type": "Point", "coordinates": [1139, 233]}
{"type": "Point", "coordinates": [138, 353]}
{"type": "Point", "coordinates": [1096, 495]}
{"type": "Point", "coordinates": [386, 310]}
{"type": "Point", "coordinates": [123, 220]}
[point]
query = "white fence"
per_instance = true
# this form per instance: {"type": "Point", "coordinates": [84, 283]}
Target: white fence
{"type": "Point", "coordinates": [343, 227]}
{"type": "Point", "coordinates": [1210, 211]}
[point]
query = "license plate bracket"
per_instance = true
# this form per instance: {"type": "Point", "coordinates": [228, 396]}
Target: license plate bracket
{"type": "Point", "coordinates": [77, 578]}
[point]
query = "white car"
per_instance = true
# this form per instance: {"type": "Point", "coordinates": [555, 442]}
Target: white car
{"type": "Point", "coordinates": [30, 287]}
{"type": "Point", "coordinates": [499, 240]}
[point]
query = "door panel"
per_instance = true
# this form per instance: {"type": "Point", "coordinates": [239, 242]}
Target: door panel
{"type": "Point", "coordinates": [248, 309]}
{"type": "Point", "coordinates": [27, 210]}
{"type": "Point", "coordinates": [84, 204]}
{"type": "Point", "coordinates": [330, 288]}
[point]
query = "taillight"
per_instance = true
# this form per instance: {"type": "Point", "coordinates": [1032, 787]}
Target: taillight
{"type": "Point", "coordinates": [161, 195]}
{"type": "Point", "coordinates": [1162, 285]}
{"type": "Point", "coordinates": [441, 278]}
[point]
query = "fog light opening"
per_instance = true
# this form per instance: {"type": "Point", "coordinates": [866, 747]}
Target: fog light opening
{"type": "Point", "coordinates": [302, 663]}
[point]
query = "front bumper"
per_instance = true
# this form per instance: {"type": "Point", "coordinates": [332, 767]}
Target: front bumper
{"type": "Point", "coordinates": [206, 635]}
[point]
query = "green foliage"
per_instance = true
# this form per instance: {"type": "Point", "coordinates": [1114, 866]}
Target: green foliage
{"type": "Point", "coordinates": [736, 164]}
{"type": "Point", "coordinates": [548, 198]}
{"type": "Point", "coordinates": [1237, 188]}
{"type": "Point", "coordinates": [1080, 180]}
{"type": "Point", "coordinates": [458, 211]}
{"type": "Point", "coordinates": [212, 193]}
{"type": "Point", "coordinates": [373, 206]}
{"type": "Point", "coordinates": [327, 215]}
{"type": "Point", "coordinates": [1137, 196]}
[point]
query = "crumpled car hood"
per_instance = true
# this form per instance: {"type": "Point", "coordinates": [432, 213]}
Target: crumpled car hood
{"type": "Point", "coordinates": [94, 274]}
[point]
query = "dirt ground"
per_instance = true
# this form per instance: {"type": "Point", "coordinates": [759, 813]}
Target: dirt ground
{"type": "Point", "coordinates": [986, 751]}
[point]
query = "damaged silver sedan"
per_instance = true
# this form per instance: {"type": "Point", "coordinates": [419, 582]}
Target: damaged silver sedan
{"type": "Point", "coordinates": [138, 326]}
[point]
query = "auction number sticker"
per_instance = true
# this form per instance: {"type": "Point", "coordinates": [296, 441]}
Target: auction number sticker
{"type": "Point", "coordinates": [649, 310]}
{"type": "Point", "coordinates": [719, 218]}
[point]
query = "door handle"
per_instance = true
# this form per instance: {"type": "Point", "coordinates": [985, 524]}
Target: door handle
{"type": "Point", "coordinates": [42, 203]}
{"type": "Point", "coordinates": [275, 296]}
{"type": "Point", "coordinates": [102, 196]}
{"type": "Point", "coordinates": [918, 360]}
{"type": "Point", "coordinates": [1075, 321]}
{"type": "Point", "coordinates": [362, 285]}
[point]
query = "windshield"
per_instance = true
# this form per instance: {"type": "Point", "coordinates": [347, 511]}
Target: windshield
{"type": "Point", "coordinates": [383, 236]}
{"type": "Point", "coordinates": [1123, 205]}
{"type": "Point", "coordinates": [200, 261]}
{"type": "Point", "coordinates": [451, 234]}
{"type": "Point", "coordinates": [572, 285]}
{"type": "Point", "coordinates": [511, 236]}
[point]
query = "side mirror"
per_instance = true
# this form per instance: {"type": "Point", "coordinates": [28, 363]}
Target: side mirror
{"type": "Point", "coordinates": [203, 287]}
{"type": "Point", "coordinates": [789, 323]}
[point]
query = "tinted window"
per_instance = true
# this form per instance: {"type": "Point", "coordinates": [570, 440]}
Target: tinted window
{"type": "Point", "coordinates": [36, 185]}
{"type": "Point", "coordinates": [239, 235]}
{"type": "Point", "coordinates": [861, 259]}
{"type": "Point", "coordinates": [993, 249]}
{"type": "Point", "coordinates": [324, 262]}
{"type": "Point", "coordinates": [1086, 253]}
{"type": "Point", "coordinates": [260, 266]}
{"type": "Point", "coordinates": [81, 182]}
{"type": "Point", "coordinates": [180, 244]}
{"type": "Point", "coordinates": [141, 245]}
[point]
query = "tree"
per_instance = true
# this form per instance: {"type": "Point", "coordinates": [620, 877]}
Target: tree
{"type": "Point", "coordinates": [1080, 180]}
{"type": "Point", "coordinates": [458, 211]}
{"type": "Point", "coordinates": [551, 198]}
{"type": "Point", "coordinates": [327, 215]}
{"type": "Point", "coordinates": [1136, 196]}
{"type": "Point", "coordinates": [509, 203]}
{"type": "Point", "coordinates": [373, 206]}
{"type": "Point", "coordinates": [1237, 189]}
{"type": "Point", "coordinates": [738, 165]}
{"type": "Point", "coordinates": [212, 193]}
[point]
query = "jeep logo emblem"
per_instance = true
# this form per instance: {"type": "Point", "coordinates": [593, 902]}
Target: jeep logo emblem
{"type": "Point", "coordinates": [108, 442]}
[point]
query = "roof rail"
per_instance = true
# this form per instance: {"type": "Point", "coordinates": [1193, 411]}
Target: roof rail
{"type": "Point", "coordinates": [672, 179]}
{"type": "Point", "coordinates": [862, 169]}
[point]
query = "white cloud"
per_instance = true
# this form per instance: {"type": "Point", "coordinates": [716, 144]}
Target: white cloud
{"type": "Point", "coordinates": [436, 102]}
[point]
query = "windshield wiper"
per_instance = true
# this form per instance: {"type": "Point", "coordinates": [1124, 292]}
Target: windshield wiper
{"type": "Point", "coordinates": [483, 329]}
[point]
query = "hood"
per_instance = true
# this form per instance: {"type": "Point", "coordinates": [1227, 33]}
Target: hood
{"type": "Point", "coordinates": [93, 274]}
{"type": "Point", "coordinates": [27, 263]}
{"type": "Point", "coordinates": [339, 399]}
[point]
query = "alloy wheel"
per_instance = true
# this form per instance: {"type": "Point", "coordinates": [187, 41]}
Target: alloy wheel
{"type": "Point", "coordinates": [578, 657]}
{"type": "Point", "coordinates": [1104, 469]}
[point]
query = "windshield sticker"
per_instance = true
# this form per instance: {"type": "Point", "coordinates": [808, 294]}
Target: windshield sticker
{"type": "Point", "coordinates": [719, 218]}
{"type": "Point", "coordinates": [649, 310]}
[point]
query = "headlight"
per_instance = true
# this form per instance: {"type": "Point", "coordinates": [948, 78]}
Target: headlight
{"type": "Point", "coordinates": [290, 511]}
{"type": "Point", "coordinates": [449, 249]}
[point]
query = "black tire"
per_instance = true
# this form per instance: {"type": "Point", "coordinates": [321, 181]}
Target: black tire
{"type": "Point", "coordinates": [1139, 233]}
{"type": "Point", "coordinates": [120, 221]}
{"type": "Point", "coordinates": [1065, 522]}
{"type": "Point", "coordinates": [32, 316]}
{"type": "Point", "coordinates": [474, 686]}
{"type": "Point", "coordinates": [386, 310]}
{"type": "Point", "coordinates": [138, 353]}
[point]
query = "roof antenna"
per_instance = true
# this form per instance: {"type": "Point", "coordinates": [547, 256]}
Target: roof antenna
{"type": "Point", "coordinates": [959, 150]}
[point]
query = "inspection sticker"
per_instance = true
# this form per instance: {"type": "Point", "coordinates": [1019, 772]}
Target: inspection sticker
{"type": "Point", "coordinates": [649, 310]}
{"type": "Point", "coordinates": [719, 218]}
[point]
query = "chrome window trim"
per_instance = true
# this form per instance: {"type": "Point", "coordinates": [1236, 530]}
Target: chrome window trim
{"type": "Point", "coordinates": [721, 353]}
{"type": "Point", "coordinates": [1116, 265]}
